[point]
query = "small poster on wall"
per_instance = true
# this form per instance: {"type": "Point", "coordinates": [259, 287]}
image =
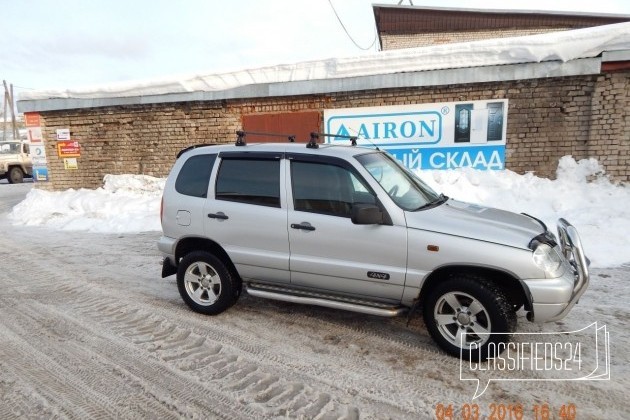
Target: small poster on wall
{"type": "Point", "coordinates": [40, 173]}
{"type": "Point", "coordinates": [70, 163]}
{"type": "Point", "coordinates": [63, 134]}
{"type": "Point", "coordinates": [68, 148]}
{"type": "Point", "coordinates": [32, 121]}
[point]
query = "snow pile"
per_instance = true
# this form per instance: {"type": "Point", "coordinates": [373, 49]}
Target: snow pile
{"type": "Point", "coordinates": [599, 209]}
{"type": "Point", "coordinates": [126, 203]}
{"type": "Point", "coordinates": [554, 46]}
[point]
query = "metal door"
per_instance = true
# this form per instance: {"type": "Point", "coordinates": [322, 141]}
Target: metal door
{"type": "Point", "coordinates": [328, 251]}
{"type": "Point", "coordinates": [462, 122]}
{"type": "Point", "coordinates": [247, 215]}
{"type": "Point", "coordinates": [495, 121]}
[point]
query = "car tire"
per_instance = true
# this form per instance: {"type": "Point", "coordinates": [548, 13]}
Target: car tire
{"type": "Point", "coordinates": [16, 176]}
{"type": "Point", "coordinates": [469, 317]}
{"type": "Point", "coordinates": [205, 283]}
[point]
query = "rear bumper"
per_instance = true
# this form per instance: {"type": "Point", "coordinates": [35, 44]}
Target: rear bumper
{"type": "Point", "coordinates": [552, 299]}
{"type": "Point", "coordinates": [166, 246]}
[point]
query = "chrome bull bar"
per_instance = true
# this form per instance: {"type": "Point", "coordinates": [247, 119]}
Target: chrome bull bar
{"type": "Point", "coordinates": [571, 247]}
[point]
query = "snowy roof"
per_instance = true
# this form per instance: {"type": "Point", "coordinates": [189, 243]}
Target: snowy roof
{"type": "Point", "coordinates": [442, 64]}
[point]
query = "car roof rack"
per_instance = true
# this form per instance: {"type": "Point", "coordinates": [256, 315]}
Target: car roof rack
{"type": "Point", "coordinates": [240, 140]}
{"type": "Point", "coordinates": [312, 144]}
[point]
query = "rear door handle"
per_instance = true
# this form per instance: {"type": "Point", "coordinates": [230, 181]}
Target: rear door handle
{"type": "Point", "coordinates": [303, 226]}
{"type": "Point", "coordinates": [220, 215]}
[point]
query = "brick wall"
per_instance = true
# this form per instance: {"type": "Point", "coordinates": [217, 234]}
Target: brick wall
{"type": "Point", "coordinates": [584, 116]}
{"type": "Point", "coordinates": [397, 41]}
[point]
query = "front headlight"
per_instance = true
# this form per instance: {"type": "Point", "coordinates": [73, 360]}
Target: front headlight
{"type": "Point", "coordinates": [548, 259]}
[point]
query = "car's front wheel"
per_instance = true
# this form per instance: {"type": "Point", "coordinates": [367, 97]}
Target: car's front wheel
{"type": "Point", "coordinates": [469, 317]}
{"type": "Point", "coordinates": [205, 283]}
{"type": "Point", "coordinates": [16, 176]}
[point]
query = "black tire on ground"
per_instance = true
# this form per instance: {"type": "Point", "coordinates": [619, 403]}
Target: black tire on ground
{"type": "Point", "coordinates": [469, 316]}
{"type": "Point", "coordinates": [15, 176]}
{"type": "Point", "coordinates": [205, 283]}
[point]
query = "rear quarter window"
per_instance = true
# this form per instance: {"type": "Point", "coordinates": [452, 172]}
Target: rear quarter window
{"type": "Point", "coordinates": [194, 177]}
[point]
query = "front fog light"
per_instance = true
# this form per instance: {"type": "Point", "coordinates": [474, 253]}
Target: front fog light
{"type": "Point", "coordinates": [548, 259]}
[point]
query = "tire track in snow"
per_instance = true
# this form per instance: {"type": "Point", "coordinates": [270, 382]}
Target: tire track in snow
{"type": "Point", "coordinates": [190, 354]}
{"type": "Point", "coordinates": [118, 376]}
{"type": "Point", "coordinates": [189, 351]}
{"type": "Point", "coordinates": [93, 301]}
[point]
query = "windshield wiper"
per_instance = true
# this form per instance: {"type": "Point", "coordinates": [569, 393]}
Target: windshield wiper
{"type": "Point", "coordinates": [439, 200]}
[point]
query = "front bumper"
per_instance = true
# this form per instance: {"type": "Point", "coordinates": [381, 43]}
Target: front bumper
{"type": "Point", "coordinates": [552, 299]}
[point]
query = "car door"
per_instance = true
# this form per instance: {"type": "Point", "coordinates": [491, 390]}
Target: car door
{"type": "Point", "coordinates": [328, 252]}
{"type": "Point", "coordinates": [247, 214]}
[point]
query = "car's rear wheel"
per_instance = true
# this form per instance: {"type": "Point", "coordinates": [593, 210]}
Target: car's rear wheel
{"type": "Point", "coordinates": [16, 176]}
{"type": "Point", "coordinates": [205, 283]}
{"type": "Point", "coordinates": [469, 317]}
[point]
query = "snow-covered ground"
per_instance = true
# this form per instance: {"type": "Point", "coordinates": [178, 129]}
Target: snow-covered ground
{"type": "Point", "coordinates": [599, 209]}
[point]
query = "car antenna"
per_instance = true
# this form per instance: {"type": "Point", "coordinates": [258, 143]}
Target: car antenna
{"type": "Point", "coordinates": [368, 140]}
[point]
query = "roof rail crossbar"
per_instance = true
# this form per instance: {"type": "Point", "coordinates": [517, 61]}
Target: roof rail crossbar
{"type": "Point", "coordinates": [241, 136]}
{"type": "Point", "coordinates": [353, 139]}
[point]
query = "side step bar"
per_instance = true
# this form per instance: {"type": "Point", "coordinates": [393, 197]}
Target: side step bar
{"type": "Point", "coordinates": [335, 304]}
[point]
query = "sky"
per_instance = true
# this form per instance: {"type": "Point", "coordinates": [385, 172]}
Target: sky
{"type": "Point", "coordinates": [598, 209]}
{"type": "Point", "coordinates": [52, 44]}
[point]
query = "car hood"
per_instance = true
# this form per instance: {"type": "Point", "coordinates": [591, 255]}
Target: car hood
{"type": "Point", "coordinates": [477, 222]}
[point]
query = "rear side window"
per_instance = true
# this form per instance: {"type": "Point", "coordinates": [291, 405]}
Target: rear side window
{"type": "Point", "coordinates": [194, 177]}
{"type": "Point", "coordinates": [250, 181]}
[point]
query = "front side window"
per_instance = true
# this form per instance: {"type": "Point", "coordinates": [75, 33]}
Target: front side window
{"type": "Point", "coordinates": [407, 190]}
{"type": "Point", "coordinates": [327, 189]}
{"type": "Point", "coordinates": [251, 181]}
{"type": "Point", "coordinates": [194, 177]}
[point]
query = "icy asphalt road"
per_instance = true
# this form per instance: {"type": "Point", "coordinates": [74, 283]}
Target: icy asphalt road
{"type": "Point", "coordinates": [88, 329]}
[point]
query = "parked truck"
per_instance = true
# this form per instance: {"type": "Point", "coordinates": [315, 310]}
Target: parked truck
{"type": "Point", "coordinates": [15, 161]}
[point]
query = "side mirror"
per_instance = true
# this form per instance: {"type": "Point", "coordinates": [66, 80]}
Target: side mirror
{"type": "Point", "coordinates": [366, 214]}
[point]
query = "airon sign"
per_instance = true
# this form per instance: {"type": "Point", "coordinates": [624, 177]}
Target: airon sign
{"type": "Point", "coordinates": [429, 136]}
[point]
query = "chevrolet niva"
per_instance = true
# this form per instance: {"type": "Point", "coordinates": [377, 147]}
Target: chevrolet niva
{"type": "Point", "coordinates": [350, 228]}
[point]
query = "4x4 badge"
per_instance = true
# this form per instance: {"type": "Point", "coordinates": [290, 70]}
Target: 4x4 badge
{"type": "Point", "coordinates": [377, 275]}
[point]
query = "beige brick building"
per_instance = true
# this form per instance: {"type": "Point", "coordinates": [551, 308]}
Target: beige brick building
{"type": "Point", "coordinates": [416, 26]}
{"type": "Point", "coordinates": [578, 107]}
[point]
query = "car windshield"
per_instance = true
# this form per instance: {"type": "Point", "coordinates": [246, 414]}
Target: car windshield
{"type": "Point", "coordinates": [405, 188]}
{"type": "Point", "coordinates": [9, 148]}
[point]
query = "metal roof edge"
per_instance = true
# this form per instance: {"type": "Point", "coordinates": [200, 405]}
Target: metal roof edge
{"type": "Point", "coordinates": [502, 11]}
{"type": "Point", "coordinates": [621, 55]}
{"type": "Point", "coordinates": [499, 73]}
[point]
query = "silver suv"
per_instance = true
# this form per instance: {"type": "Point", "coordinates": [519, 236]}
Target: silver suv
{"type": "Point", "coordinates": [350, 228]}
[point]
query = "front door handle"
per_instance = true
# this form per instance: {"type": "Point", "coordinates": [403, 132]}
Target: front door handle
{"type": "Point", "coordinates": [220, 215]}
{"type": "Point", "coordinates": [303, 226]}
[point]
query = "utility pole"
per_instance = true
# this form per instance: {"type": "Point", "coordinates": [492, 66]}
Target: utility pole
{"type": "Point", "coordinates": [10, 104]}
